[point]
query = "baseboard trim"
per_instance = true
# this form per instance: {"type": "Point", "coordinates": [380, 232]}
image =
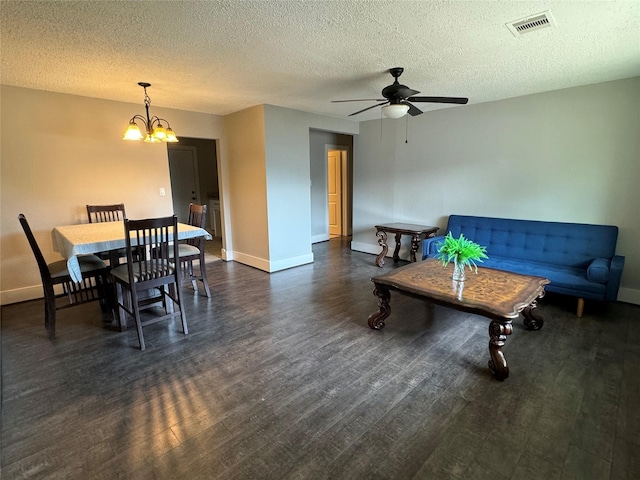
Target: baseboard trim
{"type": "Point", "coordinates": [17, 295]}
{"type": "Point", "coordinates": [629, 295]}
{"type": "Point", "coordinates": [320, 238]}
{"type": "Point", "coordinates": [366, 248]}
{"type": "Point", "coordinates": [250, 260]}
{"type": "Point", "coordinates": [291, 262]}
{"type": "Point", "coordinates": [270, 267]}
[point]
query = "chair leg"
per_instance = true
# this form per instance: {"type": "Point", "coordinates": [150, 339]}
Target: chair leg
{"type": "Point", "coordinates": [50, 312]}
{"type": "Point", "coordinates": [136, 314]}
{"type": "Point", "coordinates": [174, 291]}
{"type": "Point", "coordinates": [168, 306]}
{"type": "Point", "coordinates": [120, 310]}
{"type": "Point", "coordinates": [203, 275]}
{"type": "Point", "coordinates": [102, 284]}
{"type": "Point", "coordinates": [194, 280]}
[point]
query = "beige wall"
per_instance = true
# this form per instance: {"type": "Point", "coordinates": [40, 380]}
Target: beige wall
{"type": "Point", "coordinates": [245, 188]}
{"type": "Point", "coordinates": [60, 152]}
{"type": "Point", "coordinates": [569, 155]}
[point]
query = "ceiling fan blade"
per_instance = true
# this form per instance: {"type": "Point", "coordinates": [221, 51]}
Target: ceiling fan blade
{"type": "Point", "coordinates": [407, 92]}
{"type": "Point", "coordinates": [368, 108]}
{"type": "Point", "coordinates": [458, 100]}
{"type": "Point", "coordinates": [398, 91]}
{"type": "Point", "coordinates": [360, 100]}
{"type": "Point", "coordinates": [413, 110]}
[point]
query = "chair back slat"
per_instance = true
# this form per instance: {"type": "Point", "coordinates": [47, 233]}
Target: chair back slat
{"type": "Point", "coordinates": [106, 213]}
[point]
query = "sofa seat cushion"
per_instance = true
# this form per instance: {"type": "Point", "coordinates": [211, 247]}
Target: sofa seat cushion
{"type": "Point", "coordinates": [562, 278]}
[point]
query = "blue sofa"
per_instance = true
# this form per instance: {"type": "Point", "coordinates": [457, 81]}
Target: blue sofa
{"type": "Point", "coordinates": [578, 259]}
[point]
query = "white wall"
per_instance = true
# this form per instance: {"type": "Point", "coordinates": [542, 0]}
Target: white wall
{"type": "Point", "coordinates": [570, 155]}
{"type": "Point", "coordinates": [60, 152]}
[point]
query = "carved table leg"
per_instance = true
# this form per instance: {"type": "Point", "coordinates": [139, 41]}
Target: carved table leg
{"type": "Point", "coordinates": [415, 243]}
{"type": "Point", "coordinates": [382, 241]}
{"type": "Point", "coordinates": [396, 252]}
{"type": "Point", "coordinates": [498, 331]}
{"type": "Point", "coordinates": [376, 320]}
{"type": "Point", "coordinates": [532, 320]}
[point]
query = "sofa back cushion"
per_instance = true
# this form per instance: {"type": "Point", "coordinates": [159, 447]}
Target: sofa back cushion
{"type": "Point", "coordinates": [571, 244]}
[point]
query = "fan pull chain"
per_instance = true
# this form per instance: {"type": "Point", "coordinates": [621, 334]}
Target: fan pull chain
{"type": "Point", "coordinates": [406, 129]}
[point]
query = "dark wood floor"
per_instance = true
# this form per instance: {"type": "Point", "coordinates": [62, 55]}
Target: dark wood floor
{"type": "Point", "coordinates": [281, 378]}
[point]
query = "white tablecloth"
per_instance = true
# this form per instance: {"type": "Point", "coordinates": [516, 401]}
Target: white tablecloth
{"type": "Point", "coordinates": [73, 240]}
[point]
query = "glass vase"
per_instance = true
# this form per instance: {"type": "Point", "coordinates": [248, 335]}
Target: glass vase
{"type": "Point", "coordinates": [458, 272]}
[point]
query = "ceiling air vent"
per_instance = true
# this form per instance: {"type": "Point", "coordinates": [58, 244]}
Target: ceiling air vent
{"type": "Point", "coordinates": [531, 23]}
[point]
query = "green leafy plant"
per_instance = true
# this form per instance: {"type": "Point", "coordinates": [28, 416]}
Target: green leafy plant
{"type": "Point", "coordinates": [461, 251]}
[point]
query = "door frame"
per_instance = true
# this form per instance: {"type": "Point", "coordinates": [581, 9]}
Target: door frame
{"type": "Point", "coordinates": [345, 160]}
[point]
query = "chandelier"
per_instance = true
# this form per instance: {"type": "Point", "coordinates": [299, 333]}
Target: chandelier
{"type": "Point", "coordinates": [154, 129]}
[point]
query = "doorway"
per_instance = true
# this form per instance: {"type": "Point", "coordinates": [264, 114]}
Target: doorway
{"type": "Point", "coordinates": [193, 171]}
{"type": "Point", "coordinates": [185, 181]}
{"type": "Point", "coordinates": [337, 192]}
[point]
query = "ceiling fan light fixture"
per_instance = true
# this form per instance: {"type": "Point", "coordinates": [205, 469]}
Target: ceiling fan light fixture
{"type": "Point", "coordinates": [396, 110]}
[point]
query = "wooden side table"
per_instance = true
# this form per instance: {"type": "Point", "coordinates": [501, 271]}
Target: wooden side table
{"type": "Point", "coordinates": [417, 232]}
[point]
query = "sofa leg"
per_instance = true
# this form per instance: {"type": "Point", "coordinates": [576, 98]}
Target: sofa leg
{"type": "Point", "coordinates": [580, 307]}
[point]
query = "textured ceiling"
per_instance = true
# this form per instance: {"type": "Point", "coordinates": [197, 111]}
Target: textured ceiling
{"type": "Point", "coordinates": [221, 57]}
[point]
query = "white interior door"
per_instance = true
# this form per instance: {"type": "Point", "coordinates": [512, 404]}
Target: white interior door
{"type": "Point", "coordinates": [185, 185]}
{"type": "Point", "coordinates": [334, 190]}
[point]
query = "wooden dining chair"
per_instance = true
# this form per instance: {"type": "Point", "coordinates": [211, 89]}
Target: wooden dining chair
{"type": "Point", "coordinates": [193, 250]}
{"type": "Point", "coordinates": [150, 272]}
{"type": "Point", "coordinates": [106, 213]}
{"type": "Point", "coordinates": [92, 287]}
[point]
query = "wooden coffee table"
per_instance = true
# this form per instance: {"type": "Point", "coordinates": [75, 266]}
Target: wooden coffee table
{"type": "Point", "coordinates": [495, 294]}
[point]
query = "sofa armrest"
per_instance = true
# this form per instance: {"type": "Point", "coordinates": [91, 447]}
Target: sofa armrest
{"type": "Point", "coordinates": [615, 274]}
{"type": "Point", "coordinates": [598, 270]}
{"type": "Point", "coordinates": [430, 246]}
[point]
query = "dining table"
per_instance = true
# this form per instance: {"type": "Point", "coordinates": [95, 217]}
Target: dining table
{"type": "Point", "coordinates": [87, 238]}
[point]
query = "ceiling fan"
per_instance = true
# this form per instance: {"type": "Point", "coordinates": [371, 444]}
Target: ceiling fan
{"type": "Point", "coordinates": [397, 99]}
